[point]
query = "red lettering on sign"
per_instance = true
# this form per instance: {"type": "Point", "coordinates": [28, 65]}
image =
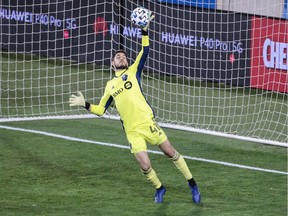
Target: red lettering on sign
{"type": "Point", "coordinates": [100, 26]}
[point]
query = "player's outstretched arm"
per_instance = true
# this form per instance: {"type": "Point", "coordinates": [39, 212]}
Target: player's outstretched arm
{"type": "Point", "coordinates": [139, 62]}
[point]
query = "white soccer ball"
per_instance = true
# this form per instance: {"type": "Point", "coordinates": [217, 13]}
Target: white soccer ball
{"type": "Point", "coordinates": [140, 16]}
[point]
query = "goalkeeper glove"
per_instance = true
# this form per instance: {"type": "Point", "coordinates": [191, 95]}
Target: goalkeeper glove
{"type": "Point", "coordinates": [78, 100]}
{"type": "Point", "coordinates": [151, 18]}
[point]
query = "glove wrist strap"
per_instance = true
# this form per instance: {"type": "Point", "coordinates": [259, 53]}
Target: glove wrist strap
{"type": "Point", "coordinates": [87, 105]}
{"type": "Point", "coordinates": [144, 32]}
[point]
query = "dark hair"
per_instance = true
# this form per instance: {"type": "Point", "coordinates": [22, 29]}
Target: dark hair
{"type": "Point", "coordinates": [118, 51]}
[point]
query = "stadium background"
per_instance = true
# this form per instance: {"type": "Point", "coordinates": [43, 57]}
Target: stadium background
{"type": "Point", "coordinates": [227, 52]}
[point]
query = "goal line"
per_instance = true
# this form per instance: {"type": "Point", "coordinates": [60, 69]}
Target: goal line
{"type": "Point", "coordinates": [177, 127]}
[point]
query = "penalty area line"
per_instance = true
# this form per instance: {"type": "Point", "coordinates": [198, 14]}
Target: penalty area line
{"type": "Point", "coordinates": [151, 151]}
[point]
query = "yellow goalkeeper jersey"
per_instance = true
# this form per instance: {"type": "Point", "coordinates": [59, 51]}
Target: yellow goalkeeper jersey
{"type": "Point", "coordinates": [125, 90]}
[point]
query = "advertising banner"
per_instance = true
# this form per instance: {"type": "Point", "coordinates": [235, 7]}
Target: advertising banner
{"type": "Point", "coordinates": [269, 54]}
{"type": "Point", "coordinates": [64, 29]}
{"type": "Point", "coordinates": [205, 45]}
{"type": "Point", "coordinates": [196, 3]}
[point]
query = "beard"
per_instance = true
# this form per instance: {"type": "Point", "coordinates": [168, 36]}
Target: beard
{"type": "Point", "coordinates": [121, 67]}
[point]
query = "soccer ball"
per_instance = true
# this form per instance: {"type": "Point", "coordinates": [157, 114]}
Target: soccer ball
{"type": "Point", "coordinates": [140, 16]}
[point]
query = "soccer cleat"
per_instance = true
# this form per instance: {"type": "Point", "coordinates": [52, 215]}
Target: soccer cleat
{"type": "Point", "coordinates": [159, 195]}
{"type": "Point", "coordinates": [196, 197]}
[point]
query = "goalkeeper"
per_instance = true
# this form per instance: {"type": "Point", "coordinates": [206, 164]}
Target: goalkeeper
{"type": "Point", "coordinates": [137, 117]}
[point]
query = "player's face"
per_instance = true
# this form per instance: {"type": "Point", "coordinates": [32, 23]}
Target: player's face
{"type": "Point", "coordinates": [120, 61]}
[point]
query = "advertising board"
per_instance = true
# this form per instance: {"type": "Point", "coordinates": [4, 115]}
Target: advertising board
{"type": "Point", "coordinates": [269, 54]}
{"type": "Point", "coordinates": [196, 3]}
{"type": "Point", "coordinates": [198, 44]}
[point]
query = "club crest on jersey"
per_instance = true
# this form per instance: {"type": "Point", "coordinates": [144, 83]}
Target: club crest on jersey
{"type": "Point", "coordinates": [124, 77]}
{"type": "Point", "coordinates": [128, 85]}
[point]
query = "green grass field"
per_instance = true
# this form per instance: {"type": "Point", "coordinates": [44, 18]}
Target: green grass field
{"type": "Point", "coordinates": [46, 175]}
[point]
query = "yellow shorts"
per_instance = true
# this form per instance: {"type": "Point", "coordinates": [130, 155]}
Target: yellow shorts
{"type": "Point", "coordinates": [148, 131]}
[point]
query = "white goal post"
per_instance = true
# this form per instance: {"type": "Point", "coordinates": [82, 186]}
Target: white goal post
{"type": "Point", "coordinates": [214, 67]}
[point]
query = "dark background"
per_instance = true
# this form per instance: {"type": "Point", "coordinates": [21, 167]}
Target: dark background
{"type": "Point", "coordinates": [90, 41]}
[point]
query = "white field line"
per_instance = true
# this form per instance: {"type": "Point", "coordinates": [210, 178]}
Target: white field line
{"type": "Point", "coordinates": [172, 126]}
{"type": "Point", "coordinates": [126, 147]}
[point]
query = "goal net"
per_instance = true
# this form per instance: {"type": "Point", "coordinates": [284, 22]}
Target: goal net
{"type": "Point", "coordinates": [213, 68]}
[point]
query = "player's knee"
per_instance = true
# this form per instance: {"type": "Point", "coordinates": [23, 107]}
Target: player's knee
{"type": "Point", "coordinates": [145, 166]}
{"type": "Point", "coordinates": [143, 160]}
{"type": "Point", "coordinates": [170, 153]}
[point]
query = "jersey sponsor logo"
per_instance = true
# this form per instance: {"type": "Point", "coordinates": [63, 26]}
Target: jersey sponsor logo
{"type": "Point", "coordinates": [128, 85]}
{"type": "Point", "coordinates": [116, 93]}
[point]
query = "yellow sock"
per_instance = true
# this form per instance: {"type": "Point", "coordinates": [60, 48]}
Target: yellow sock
{"type": "Point", "coordinates": [180, 163]}
{"type": "Point", "coordinates": [152, 177]}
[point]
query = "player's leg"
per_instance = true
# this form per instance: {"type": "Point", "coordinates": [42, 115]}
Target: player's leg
{"type": "Point", "coordinates": [139, 149]}
{"type": "Point", "coordinates": [145, 164]}
{"type": "Point", "coordinates": [181, 165]}
{"type": "Point", "coordinates": [177, 159]}
{"type": "Point", "coordinates": [154, 134]}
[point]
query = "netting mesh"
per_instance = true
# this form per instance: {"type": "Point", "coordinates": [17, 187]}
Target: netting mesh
{"type": "Point", "coordinates": [198, 74]}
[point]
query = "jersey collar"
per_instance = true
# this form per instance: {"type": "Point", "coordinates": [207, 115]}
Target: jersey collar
{"type": "Point", "coordinates": [119, 73]}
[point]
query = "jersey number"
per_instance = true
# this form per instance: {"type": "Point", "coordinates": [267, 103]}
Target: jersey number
{"type": "Point", "coordinates": [155, 128]}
